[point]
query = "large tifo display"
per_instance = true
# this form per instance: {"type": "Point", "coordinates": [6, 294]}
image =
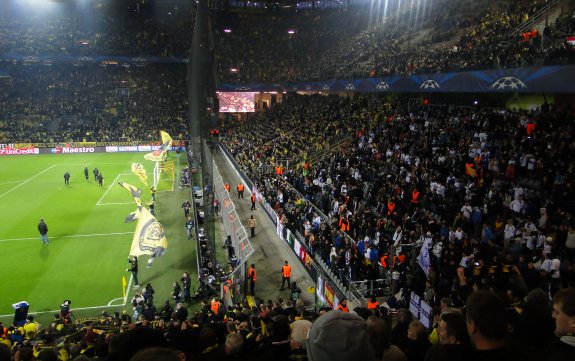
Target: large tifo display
{"type": "Point", "coordinates": [237, 102]}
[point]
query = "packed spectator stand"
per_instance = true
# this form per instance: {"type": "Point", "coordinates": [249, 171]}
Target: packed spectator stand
{"type": "Point", "coordinates": [495, 191]}
{"type": "Point", "coordinates": [441, 36]}
{"type": "Point", "coordinates": [48, 101]}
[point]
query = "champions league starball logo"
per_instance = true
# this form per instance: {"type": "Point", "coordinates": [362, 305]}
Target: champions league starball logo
{"type": "Point", "coordinates": [308, 87]}
{"type": "Point", "coordinates": [429, 84]}
{"type": "Point", "coordinates": [349, 87]}
{"type": "Point", "coordinates": [325, 87]}
{"type": "Point", "coordinates": [382, 86]}
{"type": "Point", "coordinates": [508, 82]}
{"type": "Point", "coordinates": [243, 88]}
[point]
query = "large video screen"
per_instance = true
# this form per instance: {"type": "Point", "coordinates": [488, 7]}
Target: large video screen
{"type": "Point", "coordinates": [237, 102]}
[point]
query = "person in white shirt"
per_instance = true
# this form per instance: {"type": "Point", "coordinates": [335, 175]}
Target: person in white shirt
{"type": "Point", "coordinates": [466, 211]}
{"type": "Point", "coordinates": [518, 206]}
{"type": "Point", "coordinates": [397, 236]}
{"type": "Point", "coordinates": [459, 234]}
{"type": "Point", "coordinates": [508, 233]}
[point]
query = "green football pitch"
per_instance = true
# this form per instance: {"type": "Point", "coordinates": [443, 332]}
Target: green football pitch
{"type": "Point", "coordinates": [89, 241]}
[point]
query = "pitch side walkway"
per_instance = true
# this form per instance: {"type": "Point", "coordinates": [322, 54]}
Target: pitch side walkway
{"type": "Point", "coordinates": [270, 251]}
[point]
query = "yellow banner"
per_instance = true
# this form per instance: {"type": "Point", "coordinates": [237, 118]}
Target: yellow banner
{"type": "Point", "coordinates": [138, 170]}
{"type": "Point", "coordinates": [149, 236]}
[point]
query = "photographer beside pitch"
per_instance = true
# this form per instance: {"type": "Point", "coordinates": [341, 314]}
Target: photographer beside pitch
{"type": "Point", "coordinates": [133, 267]}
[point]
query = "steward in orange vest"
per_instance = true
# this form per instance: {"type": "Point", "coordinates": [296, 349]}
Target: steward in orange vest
{"type": "Point", "coordinates": [415, 196]}
{"type": "Point", "coordinates": [344, 224]}
{"type": "Point", "coordinates": [390, 207]}
{"type": "Point", "coordinates": [372, 304]}
{"type": "Point", "coordinates": [343, 306]}
{"type": "Point", "coordinates": [240, 191]}
{"type": "Point", "coordinates": [215, 306]}
{"type": "Point", "coordinates": [279, 170]}
{"type": "Point", "coordinates": [286, 275]}
{"type": "Point", "coordinates": [383, 260]}
{"type": "Point", "coordinates": [252, 277]}
{"type": "Point", "coordinates": [253, 200]}
{"type": "Point", "coordinates": [227, 187]}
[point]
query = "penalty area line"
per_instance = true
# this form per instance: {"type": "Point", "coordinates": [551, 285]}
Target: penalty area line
{"type": "Point", "coordinates": [108, 190]}
{"type": "Point", "coordinates": [27, 180]}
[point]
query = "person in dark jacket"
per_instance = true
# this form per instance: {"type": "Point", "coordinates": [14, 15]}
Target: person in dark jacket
{"type": "Point", "coordinates": [453, 340]}
{"type": "Point", "coordinates": [564, 315]}
{"type": "Point", "coordinates": [43, 229]}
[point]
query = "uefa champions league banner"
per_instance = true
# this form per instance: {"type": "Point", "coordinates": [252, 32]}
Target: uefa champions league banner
{"type": "Point", "coordinates": [547, 79]}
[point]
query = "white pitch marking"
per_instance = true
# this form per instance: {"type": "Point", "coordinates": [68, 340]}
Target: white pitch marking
{"type": "Point", "coordinates": [58, 311]}
{"type": "Point", "coordinates": [113, 204]}
{"type": "Point", "coordinates": [71, 236]}
{"type": "Point", "coordinates": [107, 190]}
{"type": "Point", "coordinates": [26, 181]}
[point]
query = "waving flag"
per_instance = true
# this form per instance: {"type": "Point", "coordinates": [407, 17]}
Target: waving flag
{"type": "Point", "coordinates": [160, 154]}
{"type": "Point", "coordinates": [423, 259]}
{"type": "Point", "coordinates": [138, 169]}
{"type": "Point", "coordinates": [149, 236]}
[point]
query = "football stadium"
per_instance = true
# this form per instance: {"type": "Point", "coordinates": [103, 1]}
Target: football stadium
{"type": "Point", "coordinates": [280, 180]}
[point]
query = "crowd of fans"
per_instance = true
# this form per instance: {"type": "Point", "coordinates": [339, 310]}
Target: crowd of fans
{"type": "Point", "coordinates": [65, 103]}
{"type": "Point", "coordinates": [339, 44]}
{"type": "Point", "coordinates": [130, 28]}
{"type": "Point", "coordinates": [368, 184]}
{"type": "Point", "coordinates": [487, 328]}
{"type": "Point", "coordinates": [487, 190]}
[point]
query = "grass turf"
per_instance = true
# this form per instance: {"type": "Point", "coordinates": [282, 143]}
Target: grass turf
{"type": "Point", "coordinates": [89, 241]}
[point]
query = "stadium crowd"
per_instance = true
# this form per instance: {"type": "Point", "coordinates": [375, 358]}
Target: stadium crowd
{"type": "Point", "coordinates": [130, 28]}
{"type": "Point", "coordinates": [487, 328]}
{"type": "Point", "coordinates": [487, 191]}
{"type": "Point", "coordinates": [490, 187]}
{"type": "Point", "coordinates": [338, 45]}
{"type": "Point", "coordinates": [65, 103]}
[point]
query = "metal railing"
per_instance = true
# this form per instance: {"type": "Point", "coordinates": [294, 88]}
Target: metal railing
{"type": "Point", "coordinates": [534, 19]}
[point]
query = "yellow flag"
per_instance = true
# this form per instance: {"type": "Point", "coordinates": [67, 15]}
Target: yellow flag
{"type": "Point", "coordinates": [160, 154]}
{"type": "Point", "coordinates": [138, 170]}
{"type": "Point", "coordinates": [149, 237]}
{"type": "Point", "coordinates": [166, 138]}
{"type": "Point", "coordinates": [135, 193]}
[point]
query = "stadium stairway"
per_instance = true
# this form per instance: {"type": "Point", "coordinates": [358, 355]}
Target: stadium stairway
{"type": "Point", "coordinates": [270, 250]}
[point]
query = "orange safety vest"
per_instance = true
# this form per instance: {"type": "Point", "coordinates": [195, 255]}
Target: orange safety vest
{"type": "Point", "coordinates": [286, 271]}
{"type": "Point", "coordinates": [240, 187]}
{"type": "Point", "coordinates": [399, 259]}
{"type": "Point", "coordinates": [344, 224]}
{"type": "Point", "coordinates": [252, 274]}
{"type": "Point", "coordinates": [227, 286]}
{"type": "Point", "coordinates": [530, 128]}
{"type": "Point", "coordinates": [390, 208]}
{"type": "Point", "coordinates": [383, 261]}
{"type": "Point", "coordinates": [341, 308]}
{"type": "Point", "coordinates": [415, 197]}
{"type": "Point", "coordinates": [372, 305]}
{"type": "Point", "coordinates": [469, 170]}
{"type": "Point", "coordinates": [215, 306]}
{"type": "Point", "coordinates": [526, 36]}
{"type": "Point", "coordinates": [227, 187]}
{"type": "Point", "coordinates": [253, 198]}
{"type": "Point", "coordinates": [279, 170]}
